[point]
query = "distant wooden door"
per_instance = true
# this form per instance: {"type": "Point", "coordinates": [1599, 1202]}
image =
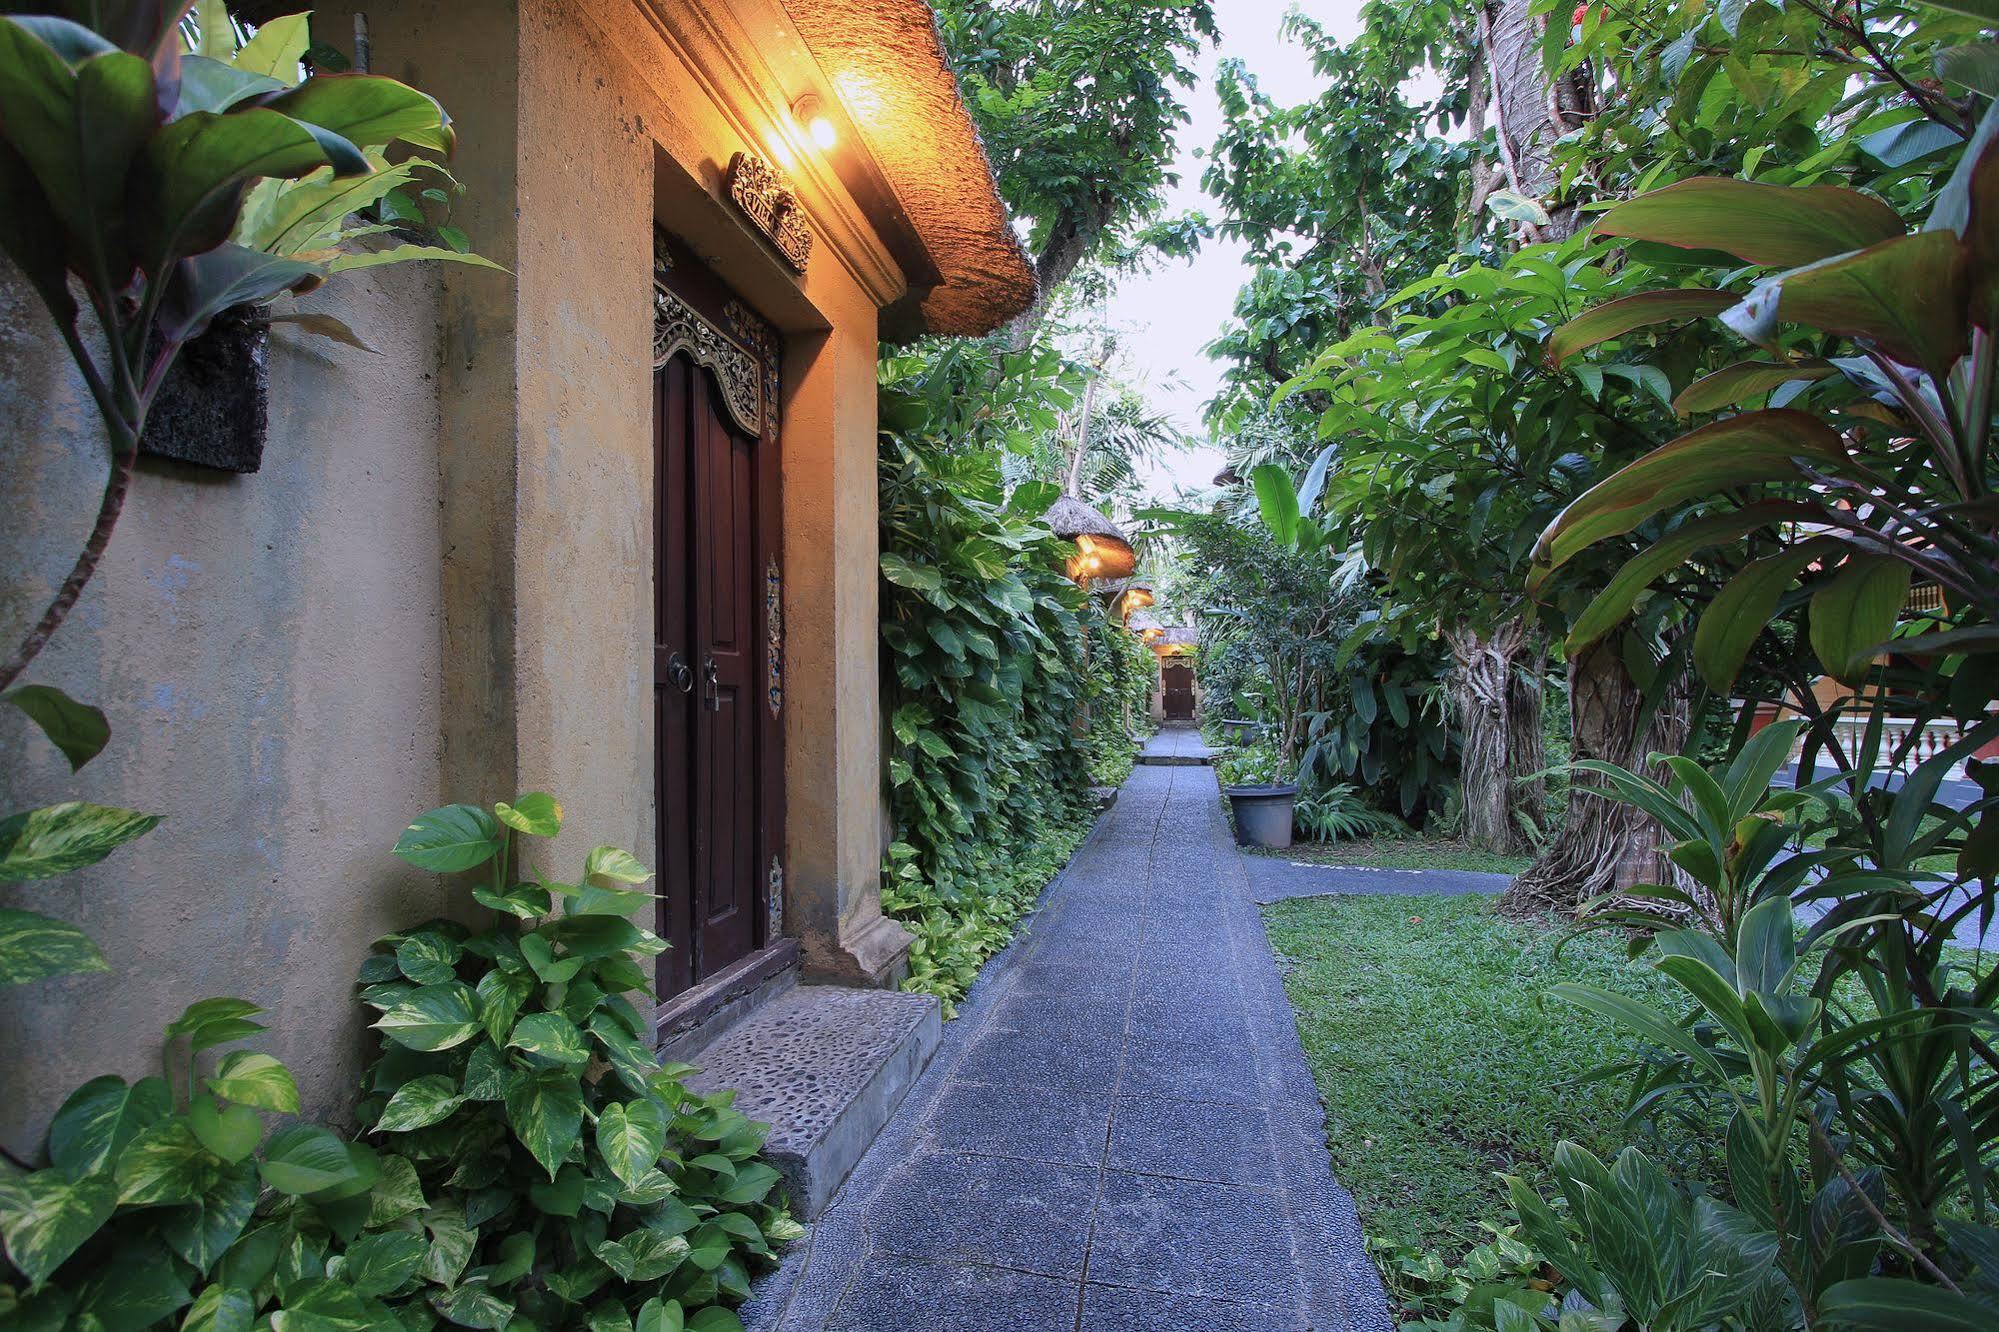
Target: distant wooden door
{"type": "Point", "coordinates": [1176, 680]}
{"type": "Point", "coordinates": [715, 691]}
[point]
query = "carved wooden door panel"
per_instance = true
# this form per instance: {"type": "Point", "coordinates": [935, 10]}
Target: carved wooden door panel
{"type": "Point", "coordinates": [1177, 681]}
{"type": "Point", "coordinates": [717, 678]}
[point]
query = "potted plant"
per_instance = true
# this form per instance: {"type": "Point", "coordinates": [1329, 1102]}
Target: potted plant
{"type": "Point", "coordinates": [1262, 792]}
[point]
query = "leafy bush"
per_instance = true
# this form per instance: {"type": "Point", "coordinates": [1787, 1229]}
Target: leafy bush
{"type": "Point", "coordinates": [983, 646]}
{"type": "Point", "coordinates": [570, 1179]}
{"type": "Point", "coordinates": [1250, 765]}
{"type": "Point", "coordinates": [1121, 674]}
{"type": "Point", "coordinates": [479, 1200]}
{"type": "Point", "coordinates": [1335, 812]}
{"type": "Point", "coordinates": [167, 1193]}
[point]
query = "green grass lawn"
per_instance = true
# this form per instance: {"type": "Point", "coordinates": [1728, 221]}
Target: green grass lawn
{"type": "Point", "coordinates": [1422, 1022]}
{"type": "Point", "coordinates": [1405, 853]}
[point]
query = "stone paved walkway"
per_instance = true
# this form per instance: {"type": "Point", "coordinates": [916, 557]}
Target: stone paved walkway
{"type": "Point", "coordinates": [1176, 742]}
{"type": "Point", "coordinates": [1119, 1133]}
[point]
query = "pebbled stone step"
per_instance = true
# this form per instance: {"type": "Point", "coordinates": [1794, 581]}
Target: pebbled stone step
{"type": "Point", "coordinates": [826, 1066]}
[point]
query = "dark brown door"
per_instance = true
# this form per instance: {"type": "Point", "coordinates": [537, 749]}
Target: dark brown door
{"type": "Point", "coordinates": [1177, 681]}
{"type": "Point", "coordinates": [705, 679]}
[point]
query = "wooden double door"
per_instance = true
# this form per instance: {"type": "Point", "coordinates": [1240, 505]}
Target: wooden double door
{"type": "Point", "coordinates": [717, 679]}
{"type": "Point", "coordinates": [1176, 682]}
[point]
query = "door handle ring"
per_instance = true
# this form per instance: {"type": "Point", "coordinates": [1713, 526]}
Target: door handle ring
{"type": "Point", "coordinates": [679, 674]}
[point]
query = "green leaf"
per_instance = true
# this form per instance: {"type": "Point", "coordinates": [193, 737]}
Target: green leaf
{"type": "Point", "coordinates": [203, 285]}
{"type": "Point", "coordinates": [1775, 225]}
{"type": "Point", "coordinates": [1732, 385]}
{"type": "Point", "coordinates": [916, 577]}
{"type": "Point", "coordinates": [135, 1290]}
{"type": "Point", "coordinates": [1745, 607]}
{"type": "Point", "coordinates": [562, 1195]}
{"type": "Point", "coordinates": [607, 865]}
{"type": "Point", "coordinates": [207, 1023]}
{"type": "Point", "coordinates": [1906, 296]}
{"type": "Point", "coordinates": [220, 1308]}
{"type": "Point", "coordinates": [657, 1315]}
{"type": "Point", "coordinates": [77, 729]}
{"type": "Point", "coordinates": [551, 1036]}
{"type": "Point", "coordinates": [397, 1191]}
{"type": "Point", "coordinates": [192, 175]}
{"type": "Point", "coordinates": [1883, 1304]}
{"type": "Point", "coordinates": [1974, 66]}
{"type": "Point", "coordinates": [1615, 318]}
{"type": "Point", "coordinates": [429, 957]}
{"type": "Point", "coordinates": [1755, 446]}
{"type": "Point", "coordinates": [643, 1254]}
{"type": "Point", "coordinates": [276, 48]}
{"type": "Point", "coordinates": [1853, 615]}
{"type": "Point", "coordinates": [537, 814]}
{"type": "Point", "coordinates": [203, 1231]}
{"type": "Point", "coordinates": [1610, 607]}
{"type": "Point", "coordinates": [433, 1017]}
{"type": "Point", "coordinates": [349, 260]}
{"type": "Point", "coordinates": [715, 1318]}
{"type": "Point", "coordinates": [305, 1158]}
{"type": "Point", "coordinates": [57, 839]}
{"type": "Point", "coordinates": [456, 837]}
{"type": "Point", "coordinates": [540, 955]}
{"type": "Point", "coordinates": [380, 1264]}
{"type": "Point", "coordinates": [1277, 502]}
{"type": "Point", "coordinates": [35, 947]}
{"type": "Point", "coordinates": [248, 1078]}
{"type": "Point", "coordinates": [367, 109]}
{"type": "Point", "coordinates": [231, 1132]}
{"type": "Point", "coordinates": [545, 1110]}
{"type": "Point", "coordinates": [46, 1216]}
{"type": "Point", "coordinates": [419, 1103]}
{"type": "Point", "coordinates": [165, 1163]}
{"type": "Point", "coordinates": [630, 1137]}
{"type": "Point", "coordinates": [100, 1118]}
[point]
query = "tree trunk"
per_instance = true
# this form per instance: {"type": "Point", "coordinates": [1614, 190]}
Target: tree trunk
{"type": "Point", "coordinates": [1497, 715]}
{"type": "Point", "coordinates": [1529, 111]}
{"type": "Point", "coordinates": [1604, 845]}
{"type": "Point", "coordinates": [1527, 746]}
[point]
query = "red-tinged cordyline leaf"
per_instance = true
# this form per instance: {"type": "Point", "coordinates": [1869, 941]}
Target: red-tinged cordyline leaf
{"type": "Point", "coordinates": [1906, 296]}
{"type": "Point", "coordinates": [1968, 207]}
{"type": "Point", "coordinates": [1731, 384]}
{"type": "Point", "coordinates": [1614, 603]}
{"type": "Point", "coordinates": [1755, 446]}
{"type": "Point", "coordinates": [1855, 613]}
{"type": "Point", "coordinates": [1742, 610]}
{"type": "Point", "coordinates": [1776, 225]}
{"type": "Point", "coordinates": [1615, 318]}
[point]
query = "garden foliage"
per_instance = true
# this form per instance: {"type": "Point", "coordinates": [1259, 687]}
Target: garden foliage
{"type": "Point", "coordinates": [984, 644]}
{"type": "Point", "coordinates": [523, 1160]}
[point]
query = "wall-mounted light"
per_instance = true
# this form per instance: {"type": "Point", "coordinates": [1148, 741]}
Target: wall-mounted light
{"type": "Point", "coordinates": [809, 113]}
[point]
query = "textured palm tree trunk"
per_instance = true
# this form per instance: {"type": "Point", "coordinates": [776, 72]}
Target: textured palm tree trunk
{"type": "Point", "coordinates": [1604, 845]}
{"type": "Point", "coordinates": [1499, 715]}
{"type": "Point", "coordinates": [1530, 111]}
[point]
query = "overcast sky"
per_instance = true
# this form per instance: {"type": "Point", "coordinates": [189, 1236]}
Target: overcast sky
{"type": "Point", "coordinates": [1166, 317]}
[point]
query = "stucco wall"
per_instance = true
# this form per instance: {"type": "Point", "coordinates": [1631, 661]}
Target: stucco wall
{"type": "Point", "coordinates": [266, 647]}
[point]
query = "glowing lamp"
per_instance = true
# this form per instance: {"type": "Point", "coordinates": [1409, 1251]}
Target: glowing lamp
{"type": "Point", "coordinates": [1101, 550]}
{"type": "Point", "coordinates": [808, 112]}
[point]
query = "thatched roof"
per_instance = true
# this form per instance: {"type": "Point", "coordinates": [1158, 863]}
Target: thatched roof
{"type": "Point", "coordinates": [885, 62]}
{"type": "Point", "coordinates": [1070, 517]}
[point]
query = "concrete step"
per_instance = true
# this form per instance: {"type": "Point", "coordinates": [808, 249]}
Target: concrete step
{"type": "Point", "coordinates": [1177, 760]}
{"type": "Point", "coordinates": [825, 1066]}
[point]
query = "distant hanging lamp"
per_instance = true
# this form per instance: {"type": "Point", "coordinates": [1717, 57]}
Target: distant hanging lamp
{"type": "Point", "coordinates": [1101, 549]}
{"type": "Point", "coordinates": [1133, 599]}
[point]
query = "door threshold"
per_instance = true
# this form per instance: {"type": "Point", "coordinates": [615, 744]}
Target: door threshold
{"type": "Point", "coordinates": [699, 1014]}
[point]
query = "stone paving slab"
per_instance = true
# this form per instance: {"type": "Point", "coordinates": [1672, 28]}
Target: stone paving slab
{"type": "Point", "coordinates": [1176, 744]}
{"type": "Point", "coordinates": [1118, 1134]}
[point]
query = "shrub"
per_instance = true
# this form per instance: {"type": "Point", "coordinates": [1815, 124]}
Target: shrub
{"type": "Point", "coordinates": [566, 1177]}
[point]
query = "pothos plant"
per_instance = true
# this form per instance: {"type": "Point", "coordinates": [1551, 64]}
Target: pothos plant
{"type": "Point", "coordinates": [165, 1202]}
{"type": "Point", "coordinates": [573, 1180]}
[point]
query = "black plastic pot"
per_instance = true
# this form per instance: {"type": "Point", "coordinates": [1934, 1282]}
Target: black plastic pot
{"type": "Point", "coordinates": [1240, 732]}
{"type": "Point", "coordinates": [1263, 814]}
